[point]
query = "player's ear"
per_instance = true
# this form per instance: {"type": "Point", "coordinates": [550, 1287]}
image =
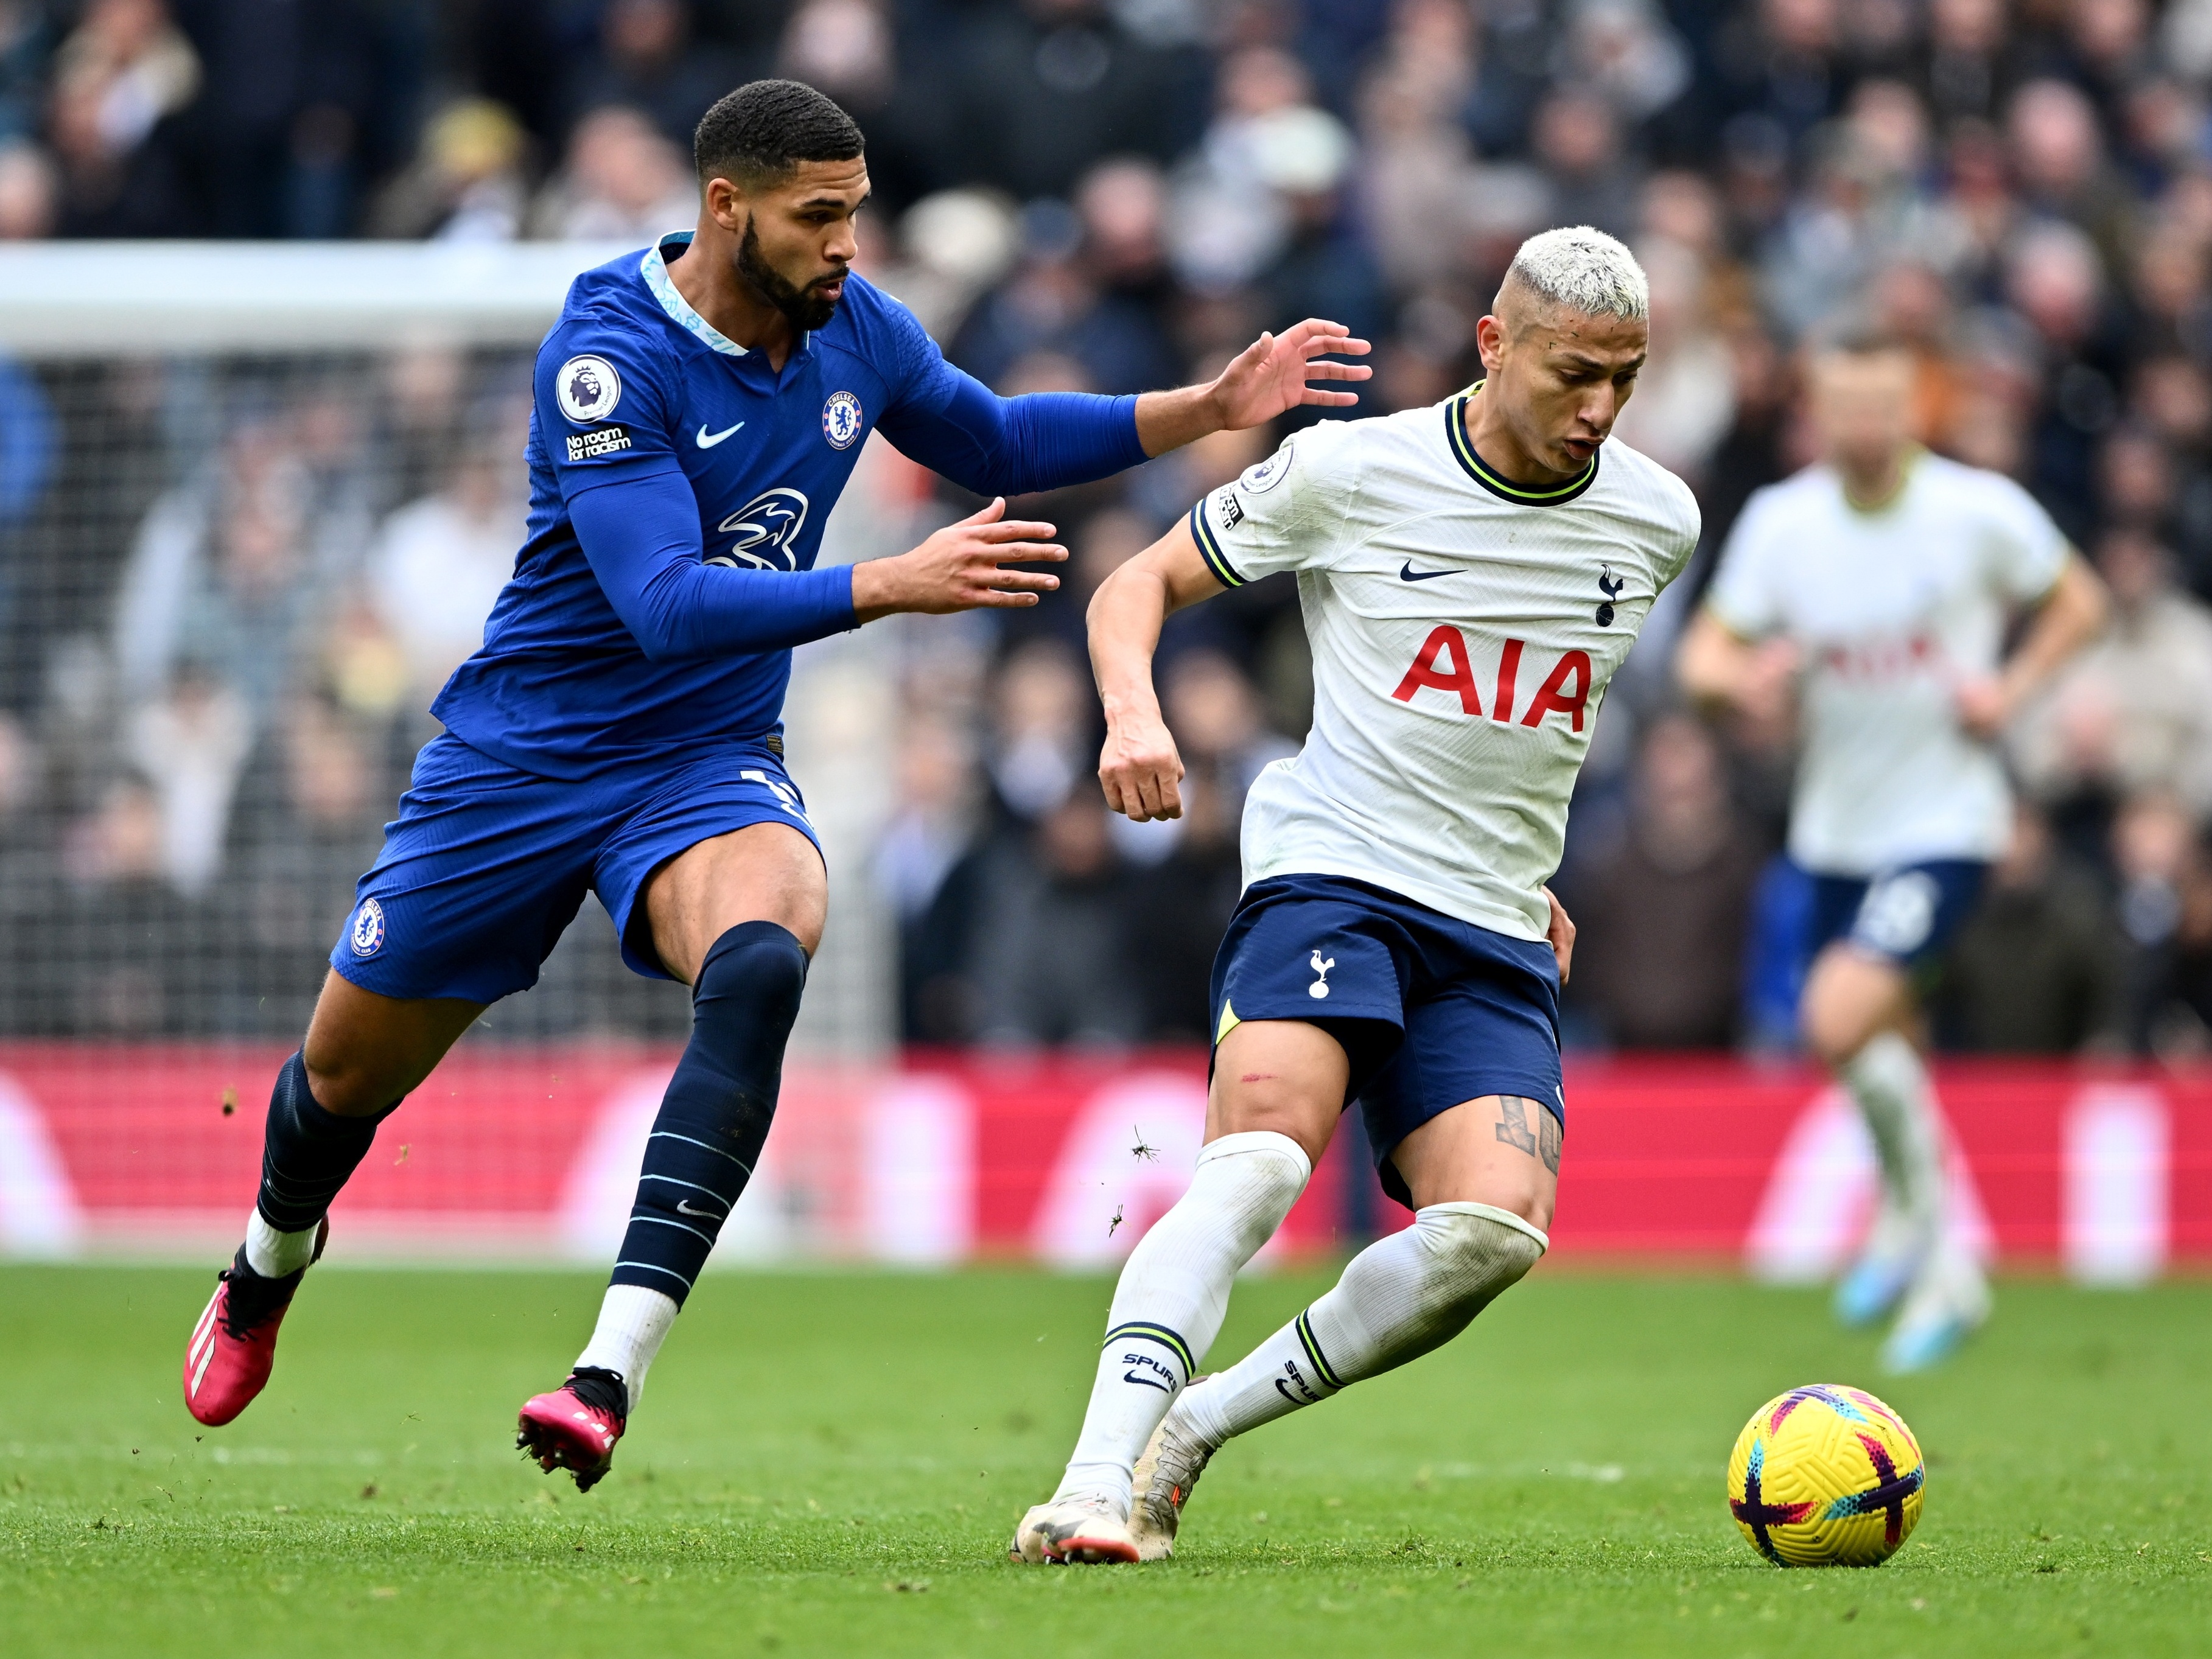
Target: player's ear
{"type": "Point", "coordinates": [725, 203]}
{"type": "Point", "coordinates": [1490, 341]}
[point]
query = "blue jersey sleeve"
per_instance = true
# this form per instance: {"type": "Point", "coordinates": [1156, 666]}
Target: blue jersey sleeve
{"type": "Point", "coordinates": [955, 425]}
{"type": "Point", "coordinates": [602, 404]}
{"type": "Point", "coordinates": [640, 535]}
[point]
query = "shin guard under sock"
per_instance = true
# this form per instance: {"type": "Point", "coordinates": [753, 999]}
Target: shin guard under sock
{"type": "Point", "coordinates": [715, 1118]}
{"type": "Point", "coordinates": [307, 1153]}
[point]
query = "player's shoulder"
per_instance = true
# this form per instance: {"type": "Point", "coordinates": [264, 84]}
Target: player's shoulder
{"type": "Point", "coordinates": [611, 315]}
{"type": "Point", "coordinates": [1649, 493]}
{"type": "Point", "coordinates": [1971, 487]}
{"type": "Point", "coordinates": [875, 326]}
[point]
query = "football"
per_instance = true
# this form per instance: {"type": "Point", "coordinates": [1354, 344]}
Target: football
{"type": "Point", "coordinates": [1826, 1476]}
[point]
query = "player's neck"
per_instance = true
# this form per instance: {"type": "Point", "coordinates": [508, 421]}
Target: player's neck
{"type": "Point", "coordinates": [712, 287]}
{"type": "Point", "coordinates": [1497, 447]}
{"type": "Point", "coordinates": [1873, 487]}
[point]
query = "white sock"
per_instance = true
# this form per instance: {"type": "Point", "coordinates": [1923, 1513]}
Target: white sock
{"type": "Point", "coordinates": [633, 1322]}
{"type": "Point", "coordinates": [1399, 1298]}
{"type": "Point", "coordinates": [274, 1255]}
{"type": "Point", "coordinates": [1172, 1296]}
{"type": "Point", "coordinates": [1890, 1086]}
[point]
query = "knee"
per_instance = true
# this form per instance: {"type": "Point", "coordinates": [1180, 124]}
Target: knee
{"type": "Point", "coordinates": [344, 1086]}
{"type": "Point", "coordinates": [1478, 1249]}
{"type": "Point", "coordinates": [759, 965]}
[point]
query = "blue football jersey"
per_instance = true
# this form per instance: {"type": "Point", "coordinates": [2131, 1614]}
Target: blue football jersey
{"type": "Point", "coordinates": [633, 383]}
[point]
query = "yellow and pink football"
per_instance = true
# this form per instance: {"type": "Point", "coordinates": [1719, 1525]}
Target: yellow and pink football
{"type": "Point", "coordinates": [1826, 1476]}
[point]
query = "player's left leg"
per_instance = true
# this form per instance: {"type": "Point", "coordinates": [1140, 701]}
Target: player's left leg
{"type": "Point", "coordinates": [1482, 1177]}
{"type": "Point", "coordinates": [737, 917]}
{"type": "Point", "coordinates": [1862, 1016]}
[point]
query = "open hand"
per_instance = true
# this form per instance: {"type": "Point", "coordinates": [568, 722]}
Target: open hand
{"type": "Point", "coordinates": [961, 567]}
{"type": "Point", "coordinates": [1139, 769]}
{"type": "Point", "coordinates": [1271, 374]}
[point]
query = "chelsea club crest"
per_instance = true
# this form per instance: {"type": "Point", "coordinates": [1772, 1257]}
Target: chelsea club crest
{"type": "Point", "coordinates": [368, 928]}
{"type": "Point", "coordinates": [841, 420]}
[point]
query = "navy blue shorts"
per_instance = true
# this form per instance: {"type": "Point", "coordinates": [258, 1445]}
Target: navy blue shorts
{"type": "Point", "coordinates": [1907, 915]}
{"type": "Point", "coordinates": [486, 864]}
{"type": "Point", "coordinates": [1433, 1011]}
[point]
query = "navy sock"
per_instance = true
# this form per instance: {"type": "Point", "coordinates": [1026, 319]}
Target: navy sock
{"type": "Point", "coordinates": [307, 1153]}
{"type": "Point", "coordinates": [714, 1120]}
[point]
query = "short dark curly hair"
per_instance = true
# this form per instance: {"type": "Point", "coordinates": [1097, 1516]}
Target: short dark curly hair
{"type": "Point", "coordinates": [763, 130]}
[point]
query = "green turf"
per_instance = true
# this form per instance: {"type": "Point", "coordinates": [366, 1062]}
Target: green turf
{"type": "Point", "coordinates": [832, 1464]}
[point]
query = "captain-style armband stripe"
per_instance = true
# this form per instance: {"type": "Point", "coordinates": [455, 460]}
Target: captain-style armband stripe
{"type": "Point", "coordinates": [1143, 1331]}
{"type": "Point", "coordinates": [1210, 550]}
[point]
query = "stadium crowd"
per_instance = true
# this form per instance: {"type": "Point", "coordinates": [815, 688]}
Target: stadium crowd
{"type": "Point", "coordinates": [227, 588]}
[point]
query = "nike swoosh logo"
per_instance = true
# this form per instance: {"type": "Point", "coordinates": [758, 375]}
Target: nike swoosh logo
{"type": "Point", "coordinates": [708, 440]}
{"type": "Point", "coordinates": [1408, 574]}
{"type": "Point", "coordinates": [1149, 1381]}
{"type": "Point", "coordinates": [684, 1207]}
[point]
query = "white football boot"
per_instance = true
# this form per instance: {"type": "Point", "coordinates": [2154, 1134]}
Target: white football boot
{"type": "Point", "coordinates": [1948, 1302]}
{"type": "Point", "coordinates": [1163, 1478]}
{"type": "Point", "coordinates": [1072, 1532]}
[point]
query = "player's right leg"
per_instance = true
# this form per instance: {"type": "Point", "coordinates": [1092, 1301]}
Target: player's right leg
{"type": "Point", "coordinates": [363, 1054]}
{"type": "Point", "coordinates": [1279, 1087]}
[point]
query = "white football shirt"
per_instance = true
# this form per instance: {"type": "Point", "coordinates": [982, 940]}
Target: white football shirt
{"type": "Point", "coordinates": [1463, 632]}
{"type": "Point", "coordinates": [1893, 608]}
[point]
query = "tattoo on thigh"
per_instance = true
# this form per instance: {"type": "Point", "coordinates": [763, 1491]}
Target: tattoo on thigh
{"type": "Point", "coordinates": [1548, 1128]}
{"type": "Point", "coordinates": [1513, 1123]}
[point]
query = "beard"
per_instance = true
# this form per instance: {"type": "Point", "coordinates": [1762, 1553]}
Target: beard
{"type": "Point", "coordinates": [805, 308]}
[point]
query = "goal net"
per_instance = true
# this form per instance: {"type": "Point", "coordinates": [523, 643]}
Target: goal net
{"type": "Point", "coordinates": [255, 504]}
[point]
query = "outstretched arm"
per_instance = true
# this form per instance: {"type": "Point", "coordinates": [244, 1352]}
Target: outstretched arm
{"type": "Point", "coordinates": [641, 538]}
{"type": "Point", "coordinates": [957, 426]}
{"type": "Point", "coordinates": [1138, 767]}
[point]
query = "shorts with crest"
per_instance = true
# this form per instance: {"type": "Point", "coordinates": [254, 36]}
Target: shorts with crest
{"type": "Point", "coordinates": [1433, 1011]}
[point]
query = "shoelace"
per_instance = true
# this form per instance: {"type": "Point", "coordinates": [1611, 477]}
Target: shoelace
{"type": "Point", "coordinates": [253, 1299]}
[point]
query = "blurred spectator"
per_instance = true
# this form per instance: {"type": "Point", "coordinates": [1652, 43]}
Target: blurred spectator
{"type": "Point", "coordinates": [2134, 711]}
{"type": "Point", "coordinates": [1055, 946]}
{"type": "Point", "coordinates": [1043, 708]}
{"type": "Point", "coordinates": [646, 60]}
{"type": "Point", "coordinates": [622, 182]}
{"type": "Point", "coordinates": [1659, 958]}
{"type": "Point", "coordinates": [466, 182]}
{"type": "Point", "coordinates": [439, 562]}
{"type": "Point", "coordinates": [2154, 849]}
{"type": "Point", "coordinates": [125, 70]}
{"type": "Point", "coordinates": [2178, 993]}
{"type": "Point", "coordinates": [1051, 303]}
{"type": "Point", "coordinates": [926, 867]}
{"type": "Point", "coordinates": [191, 745]}
{"type": "Point", "coordinates": [2037, 969]}
{"type": "Point", "coordinates": [1039, 92]}
{"type": "Point", "coordinates": [27, 192]}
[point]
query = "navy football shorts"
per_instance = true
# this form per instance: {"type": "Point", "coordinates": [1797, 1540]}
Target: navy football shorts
{"type": "Point", "coordinates": [486, 864]}
{"type": "Point", "coordinates": [1907, 915]}
{"type": "Point", "coordinates": [1433, 1011]}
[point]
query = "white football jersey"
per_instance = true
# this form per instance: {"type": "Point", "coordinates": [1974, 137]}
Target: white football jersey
{"type": "Point", "coordinates": [1463, 632]}
{"type": "Point", "coordinates": [1893, 609]}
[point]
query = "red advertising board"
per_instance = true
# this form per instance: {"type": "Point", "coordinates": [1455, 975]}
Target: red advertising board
{"type": "Point", "coordinates": [528, 1152]}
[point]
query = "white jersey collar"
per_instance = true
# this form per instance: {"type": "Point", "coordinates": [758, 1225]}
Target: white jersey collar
{"type": "Point", "coordinates": [654, 268]}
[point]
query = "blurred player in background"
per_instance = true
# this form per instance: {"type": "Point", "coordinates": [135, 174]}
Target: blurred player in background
{"type": "Point", "coordinates": [1472, 574]}
{"type": "Point", "coordinates": [1875, 588]}
{"type": "Point", "coordinates": [699, 407]}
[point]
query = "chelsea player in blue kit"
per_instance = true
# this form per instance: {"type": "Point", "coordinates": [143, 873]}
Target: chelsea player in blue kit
{"type": "Point", "coordinates": [699, 407]}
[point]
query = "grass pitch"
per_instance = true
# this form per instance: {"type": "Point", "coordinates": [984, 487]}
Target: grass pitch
{"type": "Point", "coordinates": [832, 1464]}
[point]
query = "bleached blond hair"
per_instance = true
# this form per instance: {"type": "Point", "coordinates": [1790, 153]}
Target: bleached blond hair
{"type": "Point", "coordinates": [1586, 270]}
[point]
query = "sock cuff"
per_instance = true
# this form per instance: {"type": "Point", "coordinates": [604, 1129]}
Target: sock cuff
{"type": "Point", "coordinates": [1257, 1140]}
{"type": "Point", "coordinates": [1488, 1213]}
{"type": "Point", "coordinates": [746, 934]}
{"type": "Point", "coordinates": [1881, 1056]}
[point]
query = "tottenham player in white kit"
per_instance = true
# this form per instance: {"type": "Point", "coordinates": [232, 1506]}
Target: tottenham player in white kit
{"type": "Point", "coordinates": [1472, 575]}
{"type": "Point", "coordinates": [1876, 588]}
